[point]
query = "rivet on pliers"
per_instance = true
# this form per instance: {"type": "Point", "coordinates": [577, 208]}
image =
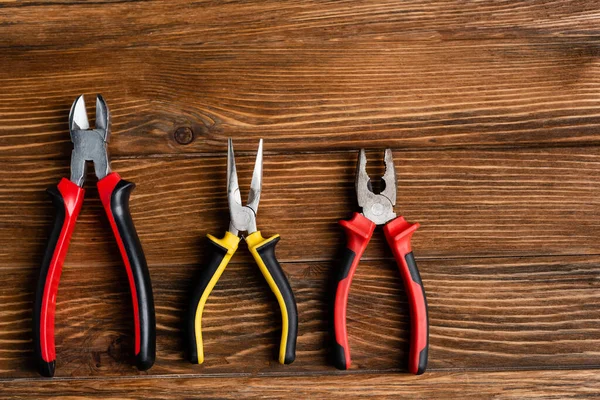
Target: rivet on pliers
{"type": "Point", "coordinates": [243, 219]}
{"type": "Point", "coordinates": [67, 197]}
{"type": "Point", "coordinates": [378, 209]}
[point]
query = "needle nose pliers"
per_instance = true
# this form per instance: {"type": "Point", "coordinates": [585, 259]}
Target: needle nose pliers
{"type": "Point", "coordinates": [243, 219]}
{"type": "Point", "coordinates": [378, 209]}
{"type": "Point", "coordinates": [67, 198]}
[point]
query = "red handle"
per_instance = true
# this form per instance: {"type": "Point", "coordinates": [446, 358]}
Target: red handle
{"type": "Point", "coordinates": [67, 198]}
{"type": "Point", "coordinates": [114, 193]}
{"type": "Point", "coordinates": [358, 230]}
{"type": "Point", "coordinates": [398, 233]}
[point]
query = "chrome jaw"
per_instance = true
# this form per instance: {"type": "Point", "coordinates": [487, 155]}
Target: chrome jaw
{"type": "Point", "coordinates": [379, 208]}
{"type": "Point", "coordinates": [89, 144]}
{"type": "Point", "coordinates": [243, 218]}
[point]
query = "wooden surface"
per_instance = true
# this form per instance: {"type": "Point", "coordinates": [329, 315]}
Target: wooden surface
{"type": "Point", "coordinates": [493, 113]}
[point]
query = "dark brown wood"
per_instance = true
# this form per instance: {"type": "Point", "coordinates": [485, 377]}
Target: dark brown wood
{"type": "Point", "coordinates": [109, 23]}
{"type": "Point", "coordinates": [484, 313]}
{"type": "Point", "coordinates": [436, 385]}
{"type": "Point", "coordinates": [338, 94]}
{"type": "Point", "coordinates": [492, 110]}
{"type": "Point", "coordinates": [470, 203]}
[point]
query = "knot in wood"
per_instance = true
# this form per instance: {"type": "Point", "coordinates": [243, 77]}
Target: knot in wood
{"type": "Point", "coordinates": [184, 135]}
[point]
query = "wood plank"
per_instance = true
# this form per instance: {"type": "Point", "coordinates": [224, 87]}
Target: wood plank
{"type": "Point", "coordinates": [493, 113]}
{"type": "Point", "coordinates": [437, 385]}
{"type": "Point", "coordinates": [66, 24]}
{"type": "Point", "coordinates": [484, 313]}
{"type": "Point", "coordinates": [327, 96]}
{"type": "Point", "coordinates": [470, 203]}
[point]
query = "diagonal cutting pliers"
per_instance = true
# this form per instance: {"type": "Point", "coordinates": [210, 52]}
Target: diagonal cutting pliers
{"type": "Point", "coordinates": [67, 198]}
{"type": "Point", "coordinates": [243, 219]}
{"type": "Point", "coordinates": [378, 209]}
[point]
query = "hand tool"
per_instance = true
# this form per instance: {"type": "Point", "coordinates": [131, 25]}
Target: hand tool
{"type": "Point", "coordinates": [378, 209]}
{"type": "Point", "coordinates": [67, 198]}
{"type": "Point", "coordinates": [243, 219]}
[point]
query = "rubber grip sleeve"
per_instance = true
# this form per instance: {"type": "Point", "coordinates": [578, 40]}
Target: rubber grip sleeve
{"type": "Point", "coordinates": [67, 198]}
{"type": "Point", "coordinates": [359, 230]}
{"type": "Point", "coordinates": [219, 253]}
{"type": "Point", "coordinates": [398, 233]}
{"type": "Point", "coordinates": [114, 193]}
{"type": "Point", "coordinates": [263, 251]}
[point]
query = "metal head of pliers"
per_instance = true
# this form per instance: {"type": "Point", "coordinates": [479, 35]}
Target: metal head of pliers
{"type": "Point", "coordinates": [243, 218]}
{"type": "Point", "coordinates": [379, 208]}
{"type": "Point", "coordinates": [89, 144]}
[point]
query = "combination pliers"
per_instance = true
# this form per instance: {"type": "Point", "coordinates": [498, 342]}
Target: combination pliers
{"type": "Point", "coordinates": [67, 198]}
{"type": "Point", "coordinates": [243, 219]}
{"type": "Point", "coordinates": [378, 209]}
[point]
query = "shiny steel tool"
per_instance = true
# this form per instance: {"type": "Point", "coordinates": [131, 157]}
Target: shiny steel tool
{"type": "Point", "coordinates": [67, 197]}
{"type": "Point", "coordinates": [378, 209]}
{"type": "Point", "coordinates": [243, 219]}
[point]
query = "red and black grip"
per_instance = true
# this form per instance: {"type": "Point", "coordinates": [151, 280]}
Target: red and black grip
{"type": "Point", "coordinates": [358, 231]}
{"type": "Point", "coordinates": [114, 194]}
{"type": "Point", "coordinates": [67, 198]}
{"type": "Point", "coordinates": [398, 233]}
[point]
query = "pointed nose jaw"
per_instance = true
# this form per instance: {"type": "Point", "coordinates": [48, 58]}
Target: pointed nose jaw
{"type": "Point", "coordinates": [243, 218]}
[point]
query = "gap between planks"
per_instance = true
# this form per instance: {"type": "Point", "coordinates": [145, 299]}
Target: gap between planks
{"type": "Point", "coordinates": [234, 261]}
{"type": "Point", "coordinates": [251, 153]}
{"type": "Point", "coordinates": [333, 373]}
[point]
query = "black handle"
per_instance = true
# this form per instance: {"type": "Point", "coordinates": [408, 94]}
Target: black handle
{"type": "Point", "coordinates": [263, 251]}
{"type": "Point", "coordinates": [114, 193]}
{"type": "Point", "coordinates": [67, 198]}
{"type": "Point", "coordinates": [219, 253]}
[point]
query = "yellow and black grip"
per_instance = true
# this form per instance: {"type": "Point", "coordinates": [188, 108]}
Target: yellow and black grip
{"type": "Point", "coordinates": [263, 251]}
{"type": "Point", "coordinates": [219, 253]}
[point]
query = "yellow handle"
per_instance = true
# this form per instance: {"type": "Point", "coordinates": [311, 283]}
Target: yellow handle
{"type": "Point", "coordinates": [263, 251]}
{"type": "Point", "coordinates": [221, 252]}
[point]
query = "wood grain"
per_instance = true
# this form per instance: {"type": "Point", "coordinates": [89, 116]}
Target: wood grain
{"type": "Point", "coordinates": [183, 23]}
{"type": "Point", "coordinates": [498, 385]}
{"type": "Point", "coordinates": [437, 385]}
{"type": "Point", "coordinates": [484, 313]}
{"type": "Point", "coordinates": [470, 203]}
{"type": "Point", "coordinates": [491, 108]}
{"type": "Point", "coordinates": [305, 97]}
